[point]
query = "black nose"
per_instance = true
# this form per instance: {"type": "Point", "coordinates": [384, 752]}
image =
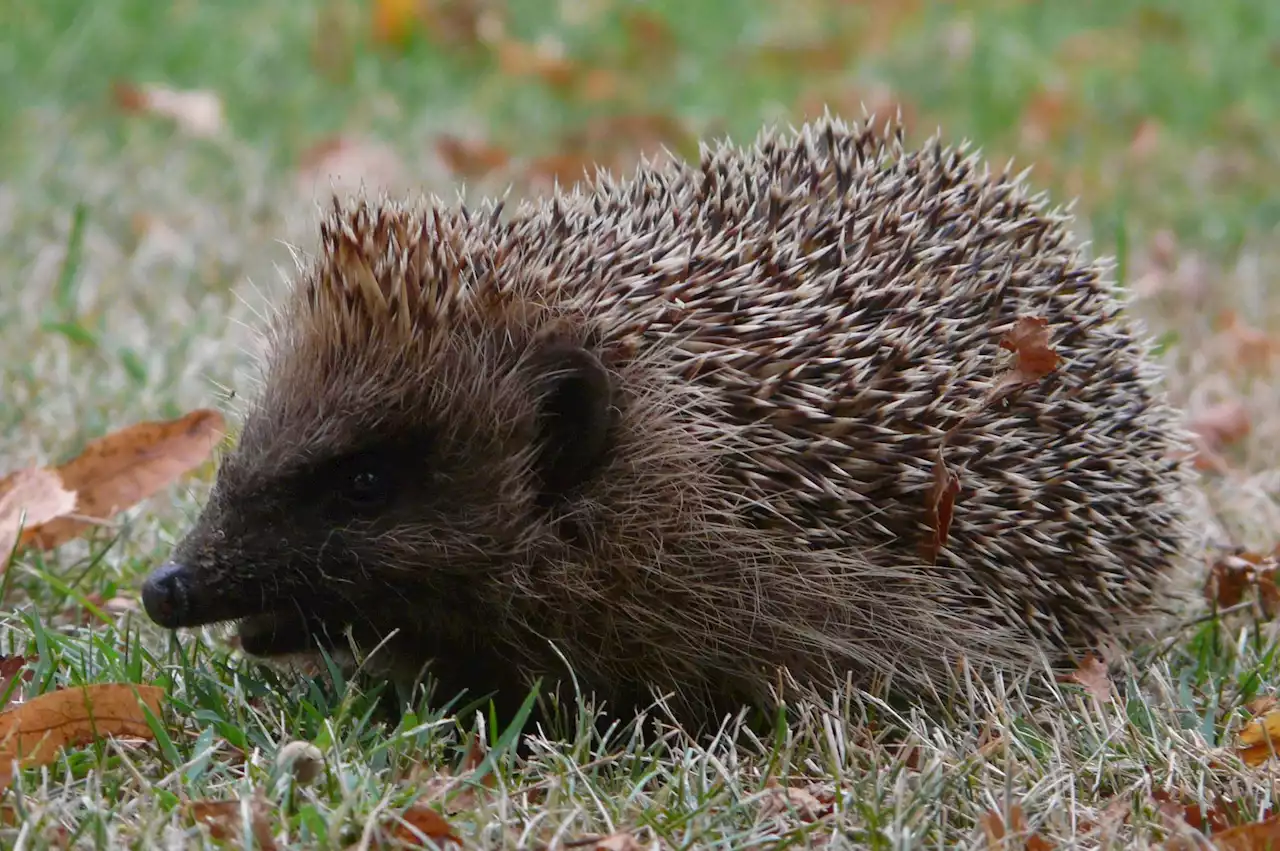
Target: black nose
{"type": "Point", "coordinates": [164, 595]}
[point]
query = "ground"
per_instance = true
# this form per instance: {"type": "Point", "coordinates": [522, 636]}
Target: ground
{"type": "Point", "coordinates": [137, 252]}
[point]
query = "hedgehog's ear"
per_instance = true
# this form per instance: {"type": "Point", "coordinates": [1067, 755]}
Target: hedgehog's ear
{"type": "Point", "coordinates": [575, 412]}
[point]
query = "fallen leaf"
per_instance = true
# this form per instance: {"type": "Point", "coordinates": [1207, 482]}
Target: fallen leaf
{"type": "Point", "coordinates": [224, 820]}
{"type": "Point", "coordinates": [440, 784]}
{"type": "Point", "coordinates": [617, 842]}
{"type": "Point", "coordinates": [1231, 575]}
{"type": "Point", "coordinates": [940, 506]}
{"type": "Point", "coordinates": [1259, 836]}
{"type": "Point", "coordinates": [344, 166]}
{"type": "Point", "coordinates": [789, 799]}
{"type": "Point", "coordinates": [1262, 704]}
{"type": "Point", "coordinates": [469, 157]}
{"type": "Point", "coordinates": [1244, 344]}
{"type": "Point", "coordinates": [1259, 737]}
{"type": "Point", "coordinates": [1092, 674]}
{"type": "Point", "coordinates": [545, 61]}
{"type": "Point", "coordinates": [1221, 424]}
{"type": "Point", "coordinates": [29, 498]}
{"type": "Point", "coordinates": [993, 825]}
{"type": "Point", "coordinates": [394, 20]}
{"type": "Point", "coordinates": [128, 466]}
{"type": "Point", "coordinates": [34, 731]}
{"type": "Point", "coordinates": [197, 112]}
{"type": "Point", "coordinates": [421, 821]}
{"type": "Point", "coordinates": [1145, 141]}
{"type": "Point", "coordinates": [11, 668]}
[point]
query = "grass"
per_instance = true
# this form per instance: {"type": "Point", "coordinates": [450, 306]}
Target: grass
{"type": "Point", "coordinates": [133, 257]}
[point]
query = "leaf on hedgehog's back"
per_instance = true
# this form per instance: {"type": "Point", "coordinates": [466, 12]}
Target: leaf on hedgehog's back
{"type": "Point", "coordinates": [940, 506]}
{"type": "Point", "coordinates": [29, 498]}
{"type": "Point", "coordinates": [33, 732]}
{"type": "Point", "coordinates": [1035, 358]}
{"type": "Point", "coordinates": [121, 469]}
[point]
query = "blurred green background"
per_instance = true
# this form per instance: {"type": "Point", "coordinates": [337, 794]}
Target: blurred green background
{"type": "Point", "coordinates": [133, 231]}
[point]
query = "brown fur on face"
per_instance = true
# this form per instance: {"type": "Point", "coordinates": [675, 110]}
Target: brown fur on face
{"type": "Point", "coordinates": [680, 432]}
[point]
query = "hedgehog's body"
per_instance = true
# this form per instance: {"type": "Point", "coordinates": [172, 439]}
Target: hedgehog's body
{"type": "Point", "coordinates": [682, 431]}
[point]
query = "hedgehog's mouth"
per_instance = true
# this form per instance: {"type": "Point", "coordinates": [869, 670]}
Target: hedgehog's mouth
{"type": "Point", "coordinates": [283, 632]}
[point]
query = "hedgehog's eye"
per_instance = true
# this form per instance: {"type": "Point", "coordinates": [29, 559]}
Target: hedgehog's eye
{"type": "Point", "coordinates": [365, 488]}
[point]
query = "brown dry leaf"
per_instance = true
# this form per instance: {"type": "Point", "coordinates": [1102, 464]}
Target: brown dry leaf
{"type": "Point", "coordinates": [29, 498]}
{"type": "Point", "coordinates": [422, 819]}
{"type": "Point", "coordinates": [545, 61]}
{"type": "Point", "coordinates": [394, 20]}
{"type": "Point", "coordinates": [224, 821]}
{"type": "Point", "coordinates": [791, 799]}
{"type": "Point", "coordinates": [1246, 345]}
{"type": "Point", "coordinates": [993, 825]}
{"type": "Point", "coordinates": [471, 157]}
{"type": "Point", "coordinates": [940, 506]}
{"type": "Point", "coordinates": [197, 112]}
{"type": "Point", "coordinates": [1227, 580]}
{"type": "Point", "coordinates": [1232, 574]}
{"type": "Point", "coordinates": [617, 842]}
{"type": "Point", "coordinates": [1259, 836]}
{"type": "Point", "coordinates": [12, 667]}
{"type": "Point", "coordinates": [343, 166]}
{"type": "Point", "coordinates": [128, 466]}
{"type": "Point", "coordinates": [1259, 738]}
{"type": "Point", "coordinates": [1221, 424]}
{"type": "Point", "coordinates": [1192, 813]}
{"type": "Point", "coordinates": [34, 731]}
{"type": "Point", "coordinates": [1092, 674]}
{"type": "Point", "coordinates": [1035, 358]}
{"type": "Point", "coordinates": [1047, 115]}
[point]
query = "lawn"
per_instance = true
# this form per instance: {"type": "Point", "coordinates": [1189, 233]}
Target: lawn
{"type": "Point", "coordinates": [137, 252]}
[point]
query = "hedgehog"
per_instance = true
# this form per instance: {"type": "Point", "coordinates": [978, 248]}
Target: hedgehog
{"type": "Point", "coordinates": [676, 435]}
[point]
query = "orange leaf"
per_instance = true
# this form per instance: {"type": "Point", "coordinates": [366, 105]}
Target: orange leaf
{"type": "Point", "coordinates": [469, 157]}
{"type": "Point", "coordinates": [224, 822]}
{"type": "Point", "coordinates": [940, 506]}
{"type": "Point", "coordinates": [419, 821]}
{"type": "Point", "coordinates": [993, 825]}
{"type": "Point", "coordinates": [617, 842]}
{"type": "Point", "coordinates": [34, 731]}
{"type": "Point", "coordinates": [11, 667]}
{"type": "Point", "coordinates": [1260, 737]}
{"type": "Point", "coordinates": [1221, 424]}
{"type": "Point", "coordinates": [1092, 674]}
{"type": "Point", "coordinates": [1029, 340]}
{"type": "Point", "coordinates": [393, 20]}
{"type": "Point", "coordinates": [790, 799]}
{"type": "Point", "coordinates": [197, 112]}
{"type": "Point", "coordinates": [29, 498]}
{"type": "Point", "coordinates": [1260, 836]}
{"type": "Point", "coordinates": [128, 466]}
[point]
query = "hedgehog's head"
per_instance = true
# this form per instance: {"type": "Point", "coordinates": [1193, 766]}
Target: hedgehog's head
{"type": "Point", "coordinates": [419, 425]}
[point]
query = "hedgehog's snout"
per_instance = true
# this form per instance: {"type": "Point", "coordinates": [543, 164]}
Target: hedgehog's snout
{"type": "Point", "coordinates": [165, 595]}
